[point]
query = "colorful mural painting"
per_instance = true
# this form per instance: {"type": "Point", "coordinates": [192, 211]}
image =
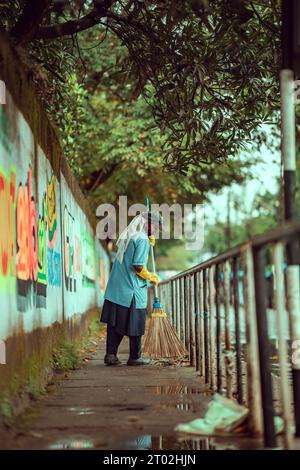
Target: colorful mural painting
{"type": "Point", "coordinates": [42, 244]}
{"type": "Point", "coordinates": [53, 254]}
{"type": "Point", "coordinates": [50, 258]}
{"type": "Point", "coordinates": [27, 236]}
{"type": "Point", "coordinates": [52, 212]}
{"type": "Point", "coordinates": [69, 251]}
{"type": "Point", "coordinates": [49, 254]}
{"type": "Point", "coordinates": [7, 235]}
{"type": "Point", "coordinates": [88, 262]}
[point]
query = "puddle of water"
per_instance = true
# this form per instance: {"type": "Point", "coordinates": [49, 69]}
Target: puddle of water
{"type": "Point", "coordinates": [153, 442]}
{"type": "Point", "coordinates": [177, 406]}
{"type": "Point", "coordinates": [148, 442]}
{"type": "Point", "coordinates": [173, 389]}
{"type": "Point", "coordinates": [177, 442]}
{"type": "Point", "coordinates": [72, 443]}
{"type": "Point", "coordinates": [203, 443]}
{"type": "Point", "coordinates": [176, 389]}
{"type": "Point", "coordinates": [82, 411]}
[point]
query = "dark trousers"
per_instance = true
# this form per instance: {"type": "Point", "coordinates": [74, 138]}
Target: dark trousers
{"type": "Point", "coordinates": [113, 340]}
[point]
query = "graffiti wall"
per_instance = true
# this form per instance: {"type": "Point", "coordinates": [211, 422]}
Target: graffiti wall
{"type": "Point", "coordinates": [79, 260]}
{"type": "Point", "coordinates": [51, 265]}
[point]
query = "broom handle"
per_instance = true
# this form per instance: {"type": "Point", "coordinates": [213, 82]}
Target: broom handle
{"type": "Point", "coordinates": [152, 253]}
{"type": "Point", "coordinates": [154, 270]}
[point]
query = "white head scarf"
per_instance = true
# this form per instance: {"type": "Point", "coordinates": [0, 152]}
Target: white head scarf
{"type": "Point", "coordinates": [136, 225]}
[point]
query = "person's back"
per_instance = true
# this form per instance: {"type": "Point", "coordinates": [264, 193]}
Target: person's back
{"type": "Point", "coordinates": [125, 305]}
{"type": "Point", "coordinates": [123, 282]}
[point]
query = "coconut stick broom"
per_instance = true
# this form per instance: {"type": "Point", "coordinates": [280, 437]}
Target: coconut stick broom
{"type": "Point", "coordinates": [161, 339]}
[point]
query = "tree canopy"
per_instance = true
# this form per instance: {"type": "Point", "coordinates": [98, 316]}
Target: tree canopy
{"type": "Point", "coordinates": [152, 96]}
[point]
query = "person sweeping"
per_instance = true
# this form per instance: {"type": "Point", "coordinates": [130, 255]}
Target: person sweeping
{"type": "Point", "coordinates": [125, 299]}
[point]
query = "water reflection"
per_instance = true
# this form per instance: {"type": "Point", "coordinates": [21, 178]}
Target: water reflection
{"type": "Point", "coordinates": [140, 443]}
{"type": "Point", "coordinates": [173, 443]}
{"type": "Point", "coordinates": [178, 406]}
{"type": "Point", "coordinates": [72, 443]}
{"type": "Point", "coordinates": [148, 442]}
{"type": "Point", "coordinates": [82, 411]}
{"type": "Point", "coordinates": [177, 389]}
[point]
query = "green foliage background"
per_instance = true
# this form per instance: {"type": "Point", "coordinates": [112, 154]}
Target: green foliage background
{"type": "Point", "coordinates": [155, 97]}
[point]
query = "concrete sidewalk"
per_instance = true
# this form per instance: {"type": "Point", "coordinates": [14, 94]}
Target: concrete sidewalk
{"type": "Point", "coordinates": [113, 407]}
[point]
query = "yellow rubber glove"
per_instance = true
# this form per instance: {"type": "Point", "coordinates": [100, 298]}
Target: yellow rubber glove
{"type": "Point", "coordinates": [152, 240]}
{"type": "Point", "coordinates": [149, 276]}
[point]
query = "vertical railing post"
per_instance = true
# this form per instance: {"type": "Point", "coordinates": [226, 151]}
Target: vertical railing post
{"type": "Point", "coordinates": [228, 351]}
{"type": "Point", "coordinates": [165, 296]}
{"type": "Point", "coordinates": [169, 299]}
{"type": "Point", "coordinates": [192, 321]}
{"type": "Point", "coordinates": [197, 320]}
{"type": "Point", "coordinates": [168, 296]}
{"type": "Point", "coordinates": [293, 305]}
{"type": "Point", "coordinates": [166, 293]}
{"type": "Point", "coordinates": [178, 305]}
{"type": "Point", "coordinates": [212, 328]}
{"type": "Point", "coordinates": [218, 331]}
{"type": "Point", "coordinates": [201, 324]}
{"type": "Point", "coordinates": [286, 396]}
{"type": "Point", "coordinates": [171, 303]}
{"type": "Point", "coordinates": [237, 331]}
{"type": "Point", "coordinates": [182, 311]}
{"type": "Point", "coordinates": [186, 312]}
{"type": "Point", "coordinates": [252, 360]}
{"type": "Point", "coordinates": [205, 314]}
{"type": "Point", "coordinates": [264, 348]}
{"type": "Point", "coordinates": [289, 159]}
{"type": "Point", "coordinates": [174, 303]}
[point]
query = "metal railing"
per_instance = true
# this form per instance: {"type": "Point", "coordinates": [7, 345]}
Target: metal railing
{"type": "Point", "coordinates": [222, 312]}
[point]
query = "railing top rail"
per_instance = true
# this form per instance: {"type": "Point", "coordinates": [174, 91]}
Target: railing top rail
{"type": "Point", "coordinates": [285, 234]}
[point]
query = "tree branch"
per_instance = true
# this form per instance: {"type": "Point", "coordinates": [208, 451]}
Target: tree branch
{"type": "Point", "coordinates": [28, 22]}
{"type": "Point", "coordinates": [98, 177]}
{"type": "Point", "coordinates": [266, 24]}
{"type": "Point", "coordinates": [147, 30]}
{"type": "Point", "coordinates": [99, 11]}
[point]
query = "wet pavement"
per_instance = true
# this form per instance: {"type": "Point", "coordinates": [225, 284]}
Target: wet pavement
{"type": "Point", "coordinates": [121, 407]}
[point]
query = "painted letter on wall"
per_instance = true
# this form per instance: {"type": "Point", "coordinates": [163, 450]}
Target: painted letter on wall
{"type": "Point", "coordinates": [8, 232]}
